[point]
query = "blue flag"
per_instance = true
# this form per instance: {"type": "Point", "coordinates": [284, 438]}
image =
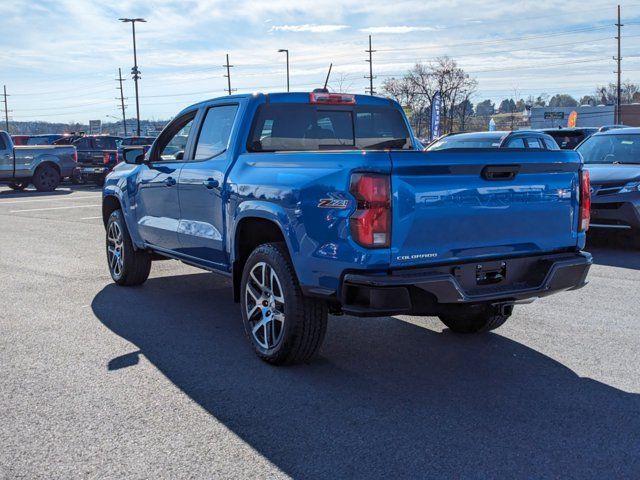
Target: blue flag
{"type": "Point", "coordinates": [436, 105]}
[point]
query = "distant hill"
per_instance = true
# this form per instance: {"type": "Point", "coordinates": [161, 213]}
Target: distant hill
{"type": "Point", "coordinates": [114, 128]}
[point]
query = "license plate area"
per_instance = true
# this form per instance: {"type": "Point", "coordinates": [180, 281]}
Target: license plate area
{"type": "Point", "coordinates": [481, 274]}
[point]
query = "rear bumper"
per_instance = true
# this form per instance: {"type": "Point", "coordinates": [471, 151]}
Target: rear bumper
{"type": "Point", "coordinates": [424, 291]}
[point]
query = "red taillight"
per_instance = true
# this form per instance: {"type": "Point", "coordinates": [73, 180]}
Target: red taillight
{"type": "Point", "coordinates": [371, 222]}
{"type": "Point", "coordinates": [75, 155]}
{"type": "Point", "coordinates": [106, 158]}
{"type": "Point", "coordinates": [332, 98]}
{"type": "Point", "coordinates": [585, 201]}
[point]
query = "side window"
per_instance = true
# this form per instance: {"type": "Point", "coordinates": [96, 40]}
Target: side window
{"type": "Point", "coordinates": [516, 143]}
{"type": "Point", "coordinates": [215, 131]}
{"type": "Point", "coordinates": [3, 144]}
{"type": "Point", "coordinates": [172, 143]}
{"type": "Point", "coordinates": [534, 143]}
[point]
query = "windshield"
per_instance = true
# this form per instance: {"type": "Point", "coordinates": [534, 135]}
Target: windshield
{"type": "Point", "coordinates": [296, 126]}
{"type": "Point", "coordinates": [487, 141]}
{"type": "Point", "coordinates": [611, 149]}
{"type": "Point", "coordinates": [137, 141]}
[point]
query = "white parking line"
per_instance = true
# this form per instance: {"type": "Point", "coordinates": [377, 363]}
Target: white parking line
{"type": "Point", "coordinates": [49, 199]}
{"type": "Point", "coordinates": [91, 218]}
{"type": "Point", "coordinates": [51, 208]}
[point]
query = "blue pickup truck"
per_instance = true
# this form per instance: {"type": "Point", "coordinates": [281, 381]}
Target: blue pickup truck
{"type": "Point", "coordinates": [318, 203]}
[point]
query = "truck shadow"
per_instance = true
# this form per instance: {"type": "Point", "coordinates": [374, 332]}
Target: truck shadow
{"type": "Point", "coordinates": [386, 398]}
{"type": "Point", "coordinates": [614, 251]}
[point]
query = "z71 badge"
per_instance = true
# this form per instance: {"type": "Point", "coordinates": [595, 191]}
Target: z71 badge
{"type": "Point", "coordinates": [334, 201]}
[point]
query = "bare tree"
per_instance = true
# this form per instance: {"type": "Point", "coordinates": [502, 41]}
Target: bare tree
{"type": "Point", "coordinates": [421, 83]}
{"type": "Point", "coordinates": [342, 84]}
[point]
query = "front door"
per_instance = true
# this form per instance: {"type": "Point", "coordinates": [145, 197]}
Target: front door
{"type": "Point", "coordinates": [157, 206]}
{"type": "Point", "coordinates": [201, 230]}
{"type": "Point", "coordinates": [6, 159]}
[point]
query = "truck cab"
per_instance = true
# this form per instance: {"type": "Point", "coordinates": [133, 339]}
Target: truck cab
{"type": "Point", "coordinates": [44, 166]}
{"type": "Point", "coordinates": [320, 202]}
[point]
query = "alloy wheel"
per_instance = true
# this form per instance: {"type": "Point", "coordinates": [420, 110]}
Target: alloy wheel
{"type": "Point", "coordinates": [115, 249]}
{"type": "Point", "coordinates": [264, 300]}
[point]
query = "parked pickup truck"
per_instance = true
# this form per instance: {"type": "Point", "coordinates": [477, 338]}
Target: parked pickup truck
{"type": "Point", "coordinates": [317, 203]}
{"type": "Point", "coordinates": [97, 155]}
{"type": "Point", "coordinates": [44, 166]}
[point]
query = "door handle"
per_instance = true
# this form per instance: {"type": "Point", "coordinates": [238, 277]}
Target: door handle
{"type": "Point", "coordinates": [211, 183]}
{"type": "Point", "coordinates": [170, 182]}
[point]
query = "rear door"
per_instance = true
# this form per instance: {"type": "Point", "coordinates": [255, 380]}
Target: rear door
{"type": "Point", "coordinates": [457, 205]}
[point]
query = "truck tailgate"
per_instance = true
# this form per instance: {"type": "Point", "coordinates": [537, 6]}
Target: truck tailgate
{"type": "Point", "coordinates": [465, 205]}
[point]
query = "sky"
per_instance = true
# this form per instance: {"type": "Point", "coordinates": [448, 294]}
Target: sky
{"type": "Point", "coordinates": [59, 59]}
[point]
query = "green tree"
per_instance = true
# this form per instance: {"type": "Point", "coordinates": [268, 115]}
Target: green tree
{"type": "Point", "coordinates": [486, 108]}
{"type": "Point", "coordinates": [563, 100]}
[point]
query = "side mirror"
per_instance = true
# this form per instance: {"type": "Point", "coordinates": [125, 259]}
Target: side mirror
{"type": "Point", "coordinates": [179, 155]}
{"type": "Point", "coordinates": [134, 156]}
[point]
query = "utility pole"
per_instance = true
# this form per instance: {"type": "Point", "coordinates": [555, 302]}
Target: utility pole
{"type": "Point", "coordinates": [228, 75]}
{"type": "Point", "coordinates": [6, 109]}
{"type": "Point", "coordinates": [124, 117]}
{"type": "Point", "coordinates": [135, 72]}
{"type": "Point", "coordinates": [370, 77]}
{"type": "Point", "coordinates": [287, 52]}
{"type": "Point", "coordinates": [619, 71]}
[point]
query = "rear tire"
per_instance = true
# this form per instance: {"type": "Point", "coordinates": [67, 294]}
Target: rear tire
{"type": "Point", "coordinates": [474, 318]}
{"type": "Point", "coordinates": [283, 325]}
{"type": "Point", "coordinates": [77, 179]}
{"type": "Point", "coordinates": [19, 186]}
{"type": "Point", "coordinates": [127, 266]}
{"type": "Point", "coordinates": [46, 178]}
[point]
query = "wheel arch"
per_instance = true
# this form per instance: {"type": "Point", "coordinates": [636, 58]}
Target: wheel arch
{"type": "Point", "coordinates": [47, 162]}
{"type": "Point", "coordinates": [251, 231]}
{"type": "Point", "coordinates": [110, 204]}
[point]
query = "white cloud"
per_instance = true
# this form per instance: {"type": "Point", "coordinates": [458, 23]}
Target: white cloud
{"type": "Point", "coordinates": [308, 27]}
{"type": "Point", "coordinates": [397, 29]}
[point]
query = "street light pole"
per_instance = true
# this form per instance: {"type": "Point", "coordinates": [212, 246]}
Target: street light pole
{"type": "Point", "coordinates": [287, 53]}
{"type": "Point", "coordinates": [134, 71]}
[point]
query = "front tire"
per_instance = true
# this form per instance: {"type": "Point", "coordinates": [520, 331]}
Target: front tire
{"type": "Point", "coordinates": [475, 318]}
{"type": "Point", "coordinates": [283, 325]}
{"type": "Point", "coordinates": [46, 178]}
{"type": "Point", "coordinates": [127, 266]}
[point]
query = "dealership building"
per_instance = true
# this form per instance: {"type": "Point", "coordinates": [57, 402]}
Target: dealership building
{"type": "Point", "coordinates": [587, 116]}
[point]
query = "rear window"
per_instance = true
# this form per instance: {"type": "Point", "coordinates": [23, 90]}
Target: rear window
{"type": "Point", "coordinates": [295, 127]}
{"type": "Point", "coordinates": [568, 140]}
{"type": "Point", "coordinates": [106, 143]}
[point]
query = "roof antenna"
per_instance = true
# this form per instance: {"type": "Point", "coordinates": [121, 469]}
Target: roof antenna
{"type": "Point", "coordinates": [328, 75]}
{"type": "Point", "coordinates": [324, 89]}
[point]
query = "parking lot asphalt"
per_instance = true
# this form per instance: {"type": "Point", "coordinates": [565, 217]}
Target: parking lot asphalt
{"type": "Point", "coordinates": [158, 381]}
